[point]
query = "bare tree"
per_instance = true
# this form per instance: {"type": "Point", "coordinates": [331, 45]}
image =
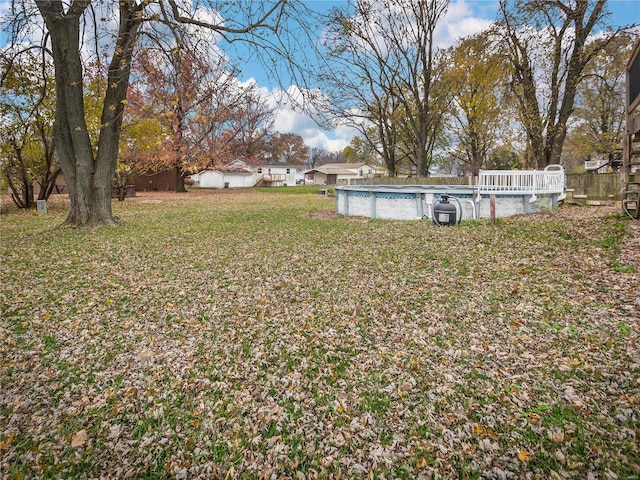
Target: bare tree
{"type": "Point", "coordinates": [248, 127]}
{"type": "Point", "coordinates": [548, 45]}
{"type": "Point", "coordinates": [315, 155]}
{"type": "Point", "coordinates": [383, 75]}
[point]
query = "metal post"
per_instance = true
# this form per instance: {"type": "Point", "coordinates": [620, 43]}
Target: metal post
{"type": "Point", "coordinates": [492, 207]}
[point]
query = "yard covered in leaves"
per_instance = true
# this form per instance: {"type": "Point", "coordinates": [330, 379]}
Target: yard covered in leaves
{"type": "Point", "coordinates": [253, 335]}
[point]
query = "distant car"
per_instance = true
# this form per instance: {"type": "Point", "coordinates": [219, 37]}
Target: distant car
{"type": "Point", "coordinates": [300, 181]}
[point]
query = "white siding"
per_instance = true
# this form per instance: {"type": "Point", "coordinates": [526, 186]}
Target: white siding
{"type": "Point", "coordinates": [275, 171]}
{"type": "Point", "coordinates": [211, 179]}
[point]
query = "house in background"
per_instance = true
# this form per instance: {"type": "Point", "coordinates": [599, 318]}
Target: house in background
{"type": "Point", "coordinates": [237, 174]}
{"type": "Point", "coordinates": [342, 173]}
{"type": "Point", "coordinates": [240, 174]}
{"type": "Point", "coordinates": [601, 163]}
{"type": "Point", "coordinates": [277, 174]}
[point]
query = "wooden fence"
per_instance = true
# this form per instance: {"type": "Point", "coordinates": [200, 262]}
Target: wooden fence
{"type": "Point", "coordinates": [596, 186]}
{"type": "Point", "coordinates": [411, 181]}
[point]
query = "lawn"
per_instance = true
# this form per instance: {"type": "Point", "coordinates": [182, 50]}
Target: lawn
{"type": "Point", "coordinates": [259, 335]}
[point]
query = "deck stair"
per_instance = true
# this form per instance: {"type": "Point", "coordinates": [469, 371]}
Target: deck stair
{"type": "Point", "coordinates": [630, 171]}
{"type": "Point", "coordinates": [582, 200]}
{"type": "Point", "coordinates": [631, 178]}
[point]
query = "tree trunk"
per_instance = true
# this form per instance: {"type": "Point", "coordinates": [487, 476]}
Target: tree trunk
{"type": "Point", "coordinates": [47, 183]}
{"type": "Point", "coordinates": [18, 178]}
{"type": "Point", "coordinates": [89, 178]}
{"type": "Point", "coordinates": [51, 170]}
{"type": "Point", "coordinates": [180, 187]}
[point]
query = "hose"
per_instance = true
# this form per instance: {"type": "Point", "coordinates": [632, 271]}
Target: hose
{"type": "Point", "coordinates": [459, 209]}
{"type": "Point", "coordinates": [626, 210]}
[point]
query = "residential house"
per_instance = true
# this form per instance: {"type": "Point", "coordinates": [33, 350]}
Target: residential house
{"type": "Point", "coordinates": [277, 174]}
{"type": "Point", "coordinates": [342, 173]}
{"type": "Point", "coordinates": [239, 174]}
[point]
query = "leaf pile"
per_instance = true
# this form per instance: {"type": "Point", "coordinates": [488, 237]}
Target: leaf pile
{"type": "Point", "coordinates": [245, 335]}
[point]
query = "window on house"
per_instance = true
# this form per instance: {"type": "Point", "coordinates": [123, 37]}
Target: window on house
{"type": "Point", "coordinates": [288, 171]}
{"type": "Point", "coordinates": [360, 173]}
{"type": "Point", "coordinates": [259, 170]}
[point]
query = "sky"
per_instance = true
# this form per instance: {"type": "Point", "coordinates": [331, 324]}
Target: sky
{"type": "Point", "coordinates": [464, 18]}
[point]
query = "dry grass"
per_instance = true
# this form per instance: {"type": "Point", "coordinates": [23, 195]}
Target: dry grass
{"type": "Point", "coordinates": [252, 335]}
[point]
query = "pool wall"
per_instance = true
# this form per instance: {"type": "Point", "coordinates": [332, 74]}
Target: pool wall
{"type": "Point", "coordinates": [403, 202]}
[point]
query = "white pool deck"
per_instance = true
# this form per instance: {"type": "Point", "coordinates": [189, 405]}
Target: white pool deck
{"type": "Point", "coordinates": [513, 192]}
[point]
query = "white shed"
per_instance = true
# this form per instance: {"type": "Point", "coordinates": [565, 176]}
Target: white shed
{"type": "Point", "coordinates": [236, 174]}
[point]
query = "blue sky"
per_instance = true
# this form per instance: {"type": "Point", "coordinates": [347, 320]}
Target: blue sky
{"type": "Point", "coordinates": [465, 17]}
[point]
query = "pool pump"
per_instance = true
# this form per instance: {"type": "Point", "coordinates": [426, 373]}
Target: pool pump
{"type": "Point", "coordinates": [446, 213]}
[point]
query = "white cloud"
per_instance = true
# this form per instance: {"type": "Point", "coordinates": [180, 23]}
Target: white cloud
{"type": "Point", "coordinates": [460, 21]}
{"type": "Point", "coordinates": [459, 9]}
{"type": "Point", "coordinates": [290, 118]}
{"type": "Point", "coordinates": [320, 139]}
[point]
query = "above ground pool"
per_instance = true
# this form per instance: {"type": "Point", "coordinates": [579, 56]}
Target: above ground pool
{"type": "Point", "coordinates": [513, 193]}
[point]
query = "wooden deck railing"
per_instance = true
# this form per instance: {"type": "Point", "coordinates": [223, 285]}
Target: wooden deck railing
{"type": "Point", "coordinates": [532, 182]}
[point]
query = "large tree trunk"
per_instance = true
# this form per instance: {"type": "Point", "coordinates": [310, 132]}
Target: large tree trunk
{"type": "Point", "coordinates": [89, 178]}
{"type": "Point", "coordinates": [180, 186]}
{"type": "Point", "coordinates": [70, 131]}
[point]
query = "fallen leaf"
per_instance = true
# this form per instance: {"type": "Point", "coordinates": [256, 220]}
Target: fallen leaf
{"type": "Point", "coordinates": [534, 418]}
{"type": "Point", "coordinates": [146, 354]}
{"type": "Point", "coordinates": [556, 435]}
{"type": "Point", "coordinates": [485, 431]}
{"type": "Point", "coordinates": [6, 443]}
{"type": "Point", "coordinates": [525, 456]}
{"type": "Point", "coordinates": [79, 439]}
{"type": "Point", "coordinates": [114, 432]}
